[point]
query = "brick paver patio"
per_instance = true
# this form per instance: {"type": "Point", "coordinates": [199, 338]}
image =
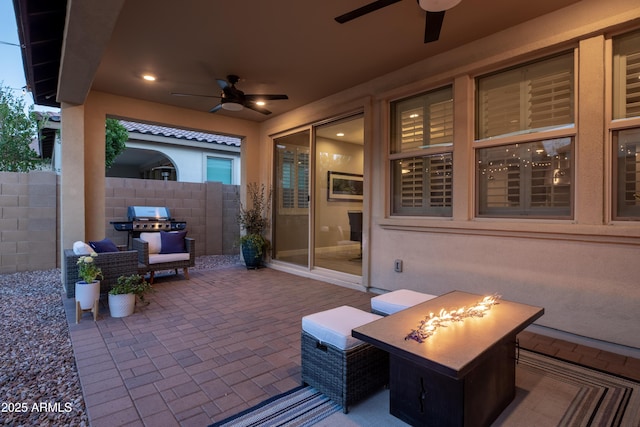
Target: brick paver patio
{"type": "Point", "coordinates": [207, 348]}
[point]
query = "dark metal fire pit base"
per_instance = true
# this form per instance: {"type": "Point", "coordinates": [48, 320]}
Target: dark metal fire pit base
{"type": "Point", "coordinates": [421, 396]}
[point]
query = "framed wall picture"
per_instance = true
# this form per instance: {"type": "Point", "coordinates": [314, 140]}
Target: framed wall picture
{"type": "Point", "coordinates": [345, 187]}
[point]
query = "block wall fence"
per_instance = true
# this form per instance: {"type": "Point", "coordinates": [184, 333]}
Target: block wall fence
{"type": "Point", "coordinates": [29, 215]}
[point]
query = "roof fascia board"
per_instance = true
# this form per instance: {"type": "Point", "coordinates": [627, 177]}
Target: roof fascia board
{"type": "Point", "coordinates": [88, 29]}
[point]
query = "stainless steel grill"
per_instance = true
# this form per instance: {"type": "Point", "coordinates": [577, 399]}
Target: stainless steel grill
{"type": "Point", "coordinates": [148, 219]}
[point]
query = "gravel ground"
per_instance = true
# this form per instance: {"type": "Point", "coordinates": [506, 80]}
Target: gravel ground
{"type": "Point", "coordinates": [39, 383]}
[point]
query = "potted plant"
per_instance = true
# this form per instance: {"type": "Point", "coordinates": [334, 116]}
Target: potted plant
{"type": "Point", "coordinates": [254, 220]}
{"type": "Point", "coordinates": [88, 289]}
{"type": "Point", "coordinates": [122, 297]}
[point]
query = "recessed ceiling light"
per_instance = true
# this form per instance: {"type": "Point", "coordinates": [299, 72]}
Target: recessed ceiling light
{"type": "Point", "coordinates": [339, 134]}
{"type": "Point", "coordinates": [149, 77]}
{"type": "Point", "coordinates": [260, 103]}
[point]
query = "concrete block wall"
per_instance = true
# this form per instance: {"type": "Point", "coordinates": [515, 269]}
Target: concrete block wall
{"type": "Point", "coordinates": [28, 221]}
{"type": "Point", "coordinates": [201, 205]}
{"type": "Point", "coordinates": [29, 215]}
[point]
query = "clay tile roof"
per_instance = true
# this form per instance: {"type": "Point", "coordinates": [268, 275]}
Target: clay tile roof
{"type": "Point", "coordinates": [180, 133]}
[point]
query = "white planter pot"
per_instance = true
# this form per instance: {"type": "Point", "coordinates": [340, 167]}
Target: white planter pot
{"type": "Point", "coordinates": [122, 305]}
{"type": "Point", "coordinates": [87, 293]}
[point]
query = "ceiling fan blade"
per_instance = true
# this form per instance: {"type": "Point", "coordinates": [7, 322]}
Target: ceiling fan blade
{"type": "Point", "coordinates": [368, 8]}
{"type": "Point", "coordinates": [216, 108]}
{"type": "Point", "coordinates": [265, 97]}
{"type": "Point", "coordinates": [222, 83]}
{"type": "Point", "coordinates": [194, 94]}
{"type": "Point", "coordinates": [433, 25]}
{"type": "Point", "coordinates": [256, 108]}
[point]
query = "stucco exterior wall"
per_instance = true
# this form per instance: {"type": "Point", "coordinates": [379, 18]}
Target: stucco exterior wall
{"type": "Point", "coordinates": [581, 270]}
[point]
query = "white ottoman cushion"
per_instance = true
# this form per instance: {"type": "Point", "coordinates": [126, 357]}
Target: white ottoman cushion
{"type": "Point", "coordinates": [395, 301]}
{"type": "Point", "coordinates": [334, 326]}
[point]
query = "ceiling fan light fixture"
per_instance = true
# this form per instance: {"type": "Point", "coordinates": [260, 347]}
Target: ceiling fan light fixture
{"type": "Point", "coordinates": [232, 106]}
{"type": "Point", "coordinates": [437, 5]}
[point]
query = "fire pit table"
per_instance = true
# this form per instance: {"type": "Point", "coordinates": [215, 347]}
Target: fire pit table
{"type": "Point", "coordinates": [463, 374]}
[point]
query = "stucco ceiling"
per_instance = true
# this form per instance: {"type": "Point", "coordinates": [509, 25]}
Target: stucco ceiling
{"type": "Point", "coordinates": [277, 46]}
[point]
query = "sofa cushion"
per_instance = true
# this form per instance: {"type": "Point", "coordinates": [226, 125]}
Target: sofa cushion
{"type": "Point", "coordinates": [162, 258]}
{"type": "Point", "coordinates": [172, 242]}
{"type": "Point", "coordinates": [104, 245]}
{"type": "Point", "coordinates": [81, 248]}
{"type": "Point", "coordinates": [153, 239]}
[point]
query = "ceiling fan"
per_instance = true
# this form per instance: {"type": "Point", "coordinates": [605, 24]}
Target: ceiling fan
{"type": "Point", "coordinates": [233, 99]}
{"type": "Point", "coordinates": [435, 14]}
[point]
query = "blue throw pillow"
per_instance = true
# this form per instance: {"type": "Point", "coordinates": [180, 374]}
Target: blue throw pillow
{"type": "Point", "coordinates": [172, 242]}
{"type": "Point", "coordinates": [104, 245]}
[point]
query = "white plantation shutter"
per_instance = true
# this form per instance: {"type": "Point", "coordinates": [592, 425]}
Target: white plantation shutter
{"type": "Point", "coordinates": [412, 129]}
{"type": "Point", "coordinates": [441, 123]}
{"type": "Point", "coordinates": [526, 179]}
{"type": "Point", "coordinates": [632, 86]}
{"type": "Point", "coordinates": [628, 176]}
{"type": "Point", "coordinates": [288, 179]}
{"type": "Point", "coordinates": [440, 182]}
{"type": "Point", "coordinates": [535, 96]}
{"type": "Point", "coordinates": [294, 175]}
{"type": "Point", "coordinates": [303, 180]}
{"type": "Point", "coordinates": [411, 183]}
{"type": "Point", "coordinates": [500, 109]}
{"type": "Point", "coordinates": [626, 76]}
{"type": "Point", "coordinates": [422, 184]}
{"type": "Point", "coordinates": [551, 100]}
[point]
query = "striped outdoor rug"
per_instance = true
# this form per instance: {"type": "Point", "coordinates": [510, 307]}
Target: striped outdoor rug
{"type": "Point", "coordinates": [302, 406]}
{"type": "Point", "coordinates": [549, 392]}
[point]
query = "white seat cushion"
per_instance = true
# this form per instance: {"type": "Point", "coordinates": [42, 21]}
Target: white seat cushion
{"type": "Point", "coordinates": [160, 258]}
{"type": "Point", "coordinates": [334, 326]}
{"type": "Point", "coordinates": [395, 301]}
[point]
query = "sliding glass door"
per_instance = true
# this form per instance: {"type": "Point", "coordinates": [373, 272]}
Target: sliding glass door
{"type": "Point", "coordinates": [339, 179]}
{"type": "Point", "coordinates": [318, 196]}
{"type": "Point", "coordinates": [291, 199]}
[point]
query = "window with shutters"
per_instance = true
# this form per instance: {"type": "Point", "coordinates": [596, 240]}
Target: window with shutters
{"type": "Point", "coordinates": [625, 129]}
{"type": "Point", "coordinates": [294, 176]}
{"type": "Point", "coordinates": [531, 178]}
{"type": "Point", "coordinates": [626, 76]}
{"type": "Point", "coordinates": [626, 144]}
{"type": "Point", "coordinates": [533, 97]}
{"type": "Point", "coordinates": [421, 154]}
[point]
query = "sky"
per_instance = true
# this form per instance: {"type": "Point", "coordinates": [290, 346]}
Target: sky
{"type": "Point", "coordinates": [11, 68]}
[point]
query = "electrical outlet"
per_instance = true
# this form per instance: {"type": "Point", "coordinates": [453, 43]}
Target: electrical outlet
{"type": "Point", "coordinates": [397, 266]}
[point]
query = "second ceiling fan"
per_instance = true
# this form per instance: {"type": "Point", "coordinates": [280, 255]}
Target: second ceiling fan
{"type": "Point", "coordinates": [233, 99]}
{"type": "Point", "coordinates": [433, 22]}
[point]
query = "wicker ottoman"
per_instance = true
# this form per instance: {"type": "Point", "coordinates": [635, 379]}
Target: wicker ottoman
{"type": "Point", "coordinates": [343, 368]}
{"type": "Point", "coordinates": [395, 301]}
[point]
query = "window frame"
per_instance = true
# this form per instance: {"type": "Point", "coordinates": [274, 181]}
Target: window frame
{"type": "Point", "coordinates": [527, 135]}
{"type": "Point", "coordinates": [431, 98]}
{"type": "Point", "coordinates": [231, 161]}
{"type": "Point", "coordinates": [619, 122]}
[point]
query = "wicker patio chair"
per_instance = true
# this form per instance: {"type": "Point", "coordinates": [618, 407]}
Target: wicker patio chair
{"type": "Point", "coordinates": [151, 264]}
{"type": "Point", "coordinates": [112, 264]}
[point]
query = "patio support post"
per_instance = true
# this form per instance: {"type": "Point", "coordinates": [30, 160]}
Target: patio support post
{"type": "Point", "coordinates": [72, 177]}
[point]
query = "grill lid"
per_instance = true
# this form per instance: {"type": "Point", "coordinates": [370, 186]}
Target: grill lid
{"type": "Point", "coordinates": [148, 213]}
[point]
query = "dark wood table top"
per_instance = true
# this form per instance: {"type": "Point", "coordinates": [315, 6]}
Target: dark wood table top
{"type": "Point", "coordinates": [455, 349]}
